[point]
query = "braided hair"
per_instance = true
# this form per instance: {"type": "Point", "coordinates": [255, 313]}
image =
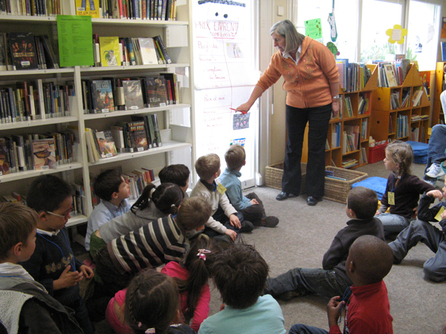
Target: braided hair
{"type": "Point", "coordinates": [152, 301]}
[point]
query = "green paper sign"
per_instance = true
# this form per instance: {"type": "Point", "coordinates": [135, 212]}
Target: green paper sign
{"type": "Point", "coordinates": [75, 40]}
{"type": "Point", "coordinates": [313, 28]}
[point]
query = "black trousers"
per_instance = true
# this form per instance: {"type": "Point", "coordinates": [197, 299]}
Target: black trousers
{"type": "Point", "coordinates": [296, 121]}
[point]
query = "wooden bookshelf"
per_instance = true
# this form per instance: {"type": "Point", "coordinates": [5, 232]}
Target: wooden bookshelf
{"type": "Point", "coordinates": [401, 121]}
{"type": "Point", "coordinates": [336, 154]}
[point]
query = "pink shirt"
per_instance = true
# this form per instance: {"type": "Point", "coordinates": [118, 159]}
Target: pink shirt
{"type": "Point", "coordinates": [173, 269]}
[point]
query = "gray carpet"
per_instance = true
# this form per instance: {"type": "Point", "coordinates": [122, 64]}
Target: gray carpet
{"type": "Point", "coordinates": [305, 233]}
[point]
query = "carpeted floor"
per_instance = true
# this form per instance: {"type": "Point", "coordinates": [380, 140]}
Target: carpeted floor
{"type": "Point", "coordinates": [302, 237]}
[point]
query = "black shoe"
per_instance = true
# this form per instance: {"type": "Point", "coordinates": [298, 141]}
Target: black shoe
{"type": "Point", "coordinates": [284, 195]}
{"type": "Point", "coordinates": [312, 201]}
{"type": "Point", "coordinates": [247, 227]}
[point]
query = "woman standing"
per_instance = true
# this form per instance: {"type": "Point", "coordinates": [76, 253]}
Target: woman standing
{"type": "Point", "coordinates": [312, 84]}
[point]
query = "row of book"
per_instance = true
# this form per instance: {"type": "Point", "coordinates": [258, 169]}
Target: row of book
{"type": "Point", "coordinates": [31, 7]}
{"type": "Point", "coordinates": [138, 179]}
{"type": "Point", "coordinates": [350, 138]}
{"type": "Point", "coordinates": [32, 100]}
{"type": "Point", "coordinates": [107, 95]}
{"type": "Point", "coordinates": [36, 152]}
{"type": "Point", "coordinates": [349, 163]}
{"type": "Point", "coordinates": [352, 76]}
{"type": "Point", "coordinates": [363, 105]}
{"type": "Point", "coordinates": [24, 51]}
{"type": "Point", "coordinates": [415, 118]}
{"type": "Point", "coordinates": [402, 126]}
{"type": "Point", "coordinates": [134, 9]}
{"type": "Point", "coordinates": [120, 51]}
{"type": "Point", "coordinates": [395, 99]}
{"type": "Point", "coordinates": [141, 134]}
{"type": "Point", "coordinates": [164, 10]}
{"type": "Point", "coordinates": [393, 74]}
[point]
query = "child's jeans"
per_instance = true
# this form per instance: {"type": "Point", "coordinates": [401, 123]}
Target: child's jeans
{"type": "Point", "coordinates": [304, 329]}
{"type": "Point", "coordinates": [220, 216]}
{"type": "Point", "coordinates": [393, 223]}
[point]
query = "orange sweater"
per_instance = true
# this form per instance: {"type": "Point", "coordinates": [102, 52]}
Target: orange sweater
{"type": "Point", "coordinates": [308, 84]}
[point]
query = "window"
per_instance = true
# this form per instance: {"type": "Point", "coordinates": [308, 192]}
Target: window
{"type": "Point", "coordinates": [377, 16]}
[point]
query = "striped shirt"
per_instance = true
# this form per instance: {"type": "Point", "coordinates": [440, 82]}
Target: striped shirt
{"type": "Point", "coordinates": [153, 244]}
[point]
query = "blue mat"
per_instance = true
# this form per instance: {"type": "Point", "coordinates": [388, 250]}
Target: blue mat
{"type": "Point", "coordinates": [419, 151]}
{"type": "Point", "coordinates": [377, 184]}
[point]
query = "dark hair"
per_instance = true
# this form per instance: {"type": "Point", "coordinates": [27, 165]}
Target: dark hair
{"type": "Point", "coordinates": [235, 157]}
{"type": "Point", "coordinates": [17, 222]}
{"type": "Point", "coordinates": [363, 201]}
{"type": "Point", "coordinates": [402, 154]}
{"type": "Point", "coordinates": [207, 165]}
{"type": "Point", "coordinates": [193, 213]}
{"type": "Point", "coordinates": [107, 183]}
{"type": "Point", "coordinates": [47, 192]}
{"type": "Point", "coordinates": [240, 274]}
{"type": "Point", "coordinates": [151, 301]}
{"type": "Point", "coordinates": [199, 268]}
{"type": "Point", "coordinates": [373, 258]}
{"type": "Point", "coordinates": [178, 174]}
{"type": "Point", "coordinates": [167, 197]}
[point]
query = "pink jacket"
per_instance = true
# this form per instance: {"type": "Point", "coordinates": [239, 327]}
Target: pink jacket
{"type": "Point", "coordinates": [308, 84]}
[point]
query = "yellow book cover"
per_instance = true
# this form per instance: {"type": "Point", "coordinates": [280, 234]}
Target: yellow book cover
{"type": "Point", "coordinates": [87, 8]}
{"type": "Point", "coordinates": [110, 53]}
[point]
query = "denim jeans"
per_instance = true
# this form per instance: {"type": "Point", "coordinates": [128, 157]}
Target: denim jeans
{"type": "Point", "coordinates": [296, 121]}
{"type": "Point", "coordinates": [437, 145]}
{"type": "Point", "coordinates": [306, 281]}
{"type": "Point", "coordinates": [392, 223]}
{"type": "Point", "coordinates": [432, 237]}
{"type": "Point", "coordinates": [304, 329]}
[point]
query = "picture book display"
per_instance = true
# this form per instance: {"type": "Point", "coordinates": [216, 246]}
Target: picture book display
{"type": "Point", "coordinates": [156, 94]}
{"type": "Point", "coordinates": [44, 154]}
{"type": "Point", "coordinates": [87, 8]}
{"type": "Point", "coordinates": [137, 136]}
{"type": "Point", "coordinates": [133, 94]}
{"type": "Point", "coordinates": [106, 143]}
{"type": "Point", "coordinates": [102, 94]}
{"type": "Point", "coordinates": [23, 50]}
{"type": "Point", "coordinates": [148, 51]}
{"type": "Point", "coordinates": [110, 51]}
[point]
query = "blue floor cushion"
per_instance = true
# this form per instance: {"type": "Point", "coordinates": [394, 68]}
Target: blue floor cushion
{"type": "Point", "coordinates": [377, 184]}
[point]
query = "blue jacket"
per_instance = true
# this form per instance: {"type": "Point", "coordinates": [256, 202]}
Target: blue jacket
{"type": "Point", "coordinates": [229, 178]}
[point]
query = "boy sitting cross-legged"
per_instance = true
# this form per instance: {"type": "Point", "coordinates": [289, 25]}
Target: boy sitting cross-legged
{"type": "Point", "coordinates": [250, 205]}
{"type": "Point", "coordinates": [224, 219]}
{"type": "Point", "coordinates": [26, 307]}
{"type": "Point", "coordinates": [332, 280]}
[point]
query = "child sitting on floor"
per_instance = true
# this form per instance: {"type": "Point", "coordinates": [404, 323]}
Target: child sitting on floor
{"type": "Point", "coordinates": [250, 205]}
{"type": "Point", "coordinates": [225, 219]}
{"type": "Point", "coordinates": [26, 307]}
{"type": "Point", "coordinates": [178, 174]}
{"type": "Point", "coordinates": [366, 304]}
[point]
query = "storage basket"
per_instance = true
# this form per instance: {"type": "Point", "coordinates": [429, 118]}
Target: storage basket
{"type": "Point", "coordinates": [274, 173]}
{"type": "Point", "coordinates": [337, 190]}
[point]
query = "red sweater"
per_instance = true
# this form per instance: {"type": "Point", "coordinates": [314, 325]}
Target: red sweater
{"type": "Point", "coordinates": [308, 84]}
{"type": "Point", "coordinates": [368, 311]}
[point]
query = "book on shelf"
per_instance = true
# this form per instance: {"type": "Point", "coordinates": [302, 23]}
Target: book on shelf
{"type": "Point", "coordinates": [363, 160]}
{"type": "Point", "coordinates": [148, 51]}
{"type": "Point", "coordinates": [159, 41]}
{"type": "Point", "coordinates": [44, 154]}
{"type": "Point", "coordinates": [23, 50]}
{"type": "Point", "coordinates": [4, 157]}
{"type": "Point", "coordinates": [110, 50]}
{"type": "Point", "coordinates": [92, 149]}
{"type": "Point", "coordinates": [106, 143]}
{"type": "Point", "coordinates": [87, 8]}
{"type": "Point", "coordinates": [145, 119]}
{"type": "Point", "coordinates": [349, 163]}
{"type": "Point", "coordinates": [390, 75]}
{"type": "Point", "coordinates": [155, 91]}
{"type": "Point", "coordinates": [133, 94]}
{"type": "Point", "coordinates": [417, 98]}
{"type": "Point", "coordinates": [348, 109]}
{"type": "Point", "coordinates": [137, 136]}
{"type": "Point", "coordinates": [117, 132]}
{"type": "Point", "coordinates": [157, 142]}
{"type": "Point", "coordinates": [102, 94]}
{"type": "Point", "coordinates": [171, 87]}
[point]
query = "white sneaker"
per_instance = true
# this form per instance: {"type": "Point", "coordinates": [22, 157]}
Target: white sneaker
{"type": "Point", "coordinates": [435, 170]}
{"type": "Point", "coordinates": [431, 182]}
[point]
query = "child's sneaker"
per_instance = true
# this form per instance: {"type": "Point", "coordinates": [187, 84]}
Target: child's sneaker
{"type": "Point", "coordinates": [435, 170]}
{"type": "Point", "coordinates": [247, 227]}
{"type": "Point", "coordinates": [269, 221]}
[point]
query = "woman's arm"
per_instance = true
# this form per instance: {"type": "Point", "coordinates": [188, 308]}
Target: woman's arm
{"type": "Point", "coordinates": [256, 93]}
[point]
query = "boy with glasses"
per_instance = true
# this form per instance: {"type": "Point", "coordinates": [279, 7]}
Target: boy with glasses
{"type": "Point", "coordinates": [53, 263]}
